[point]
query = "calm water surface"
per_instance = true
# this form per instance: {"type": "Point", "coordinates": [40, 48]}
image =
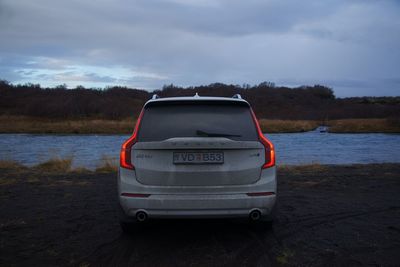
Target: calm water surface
{"type": "Point", "coordinates": [297, 148]}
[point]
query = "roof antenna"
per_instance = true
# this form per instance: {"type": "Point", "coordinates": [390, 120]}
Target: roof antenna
{"type": "Point", "coordinates": [196, 95]}
{"type": "Point", "coordinates": [155, 96]}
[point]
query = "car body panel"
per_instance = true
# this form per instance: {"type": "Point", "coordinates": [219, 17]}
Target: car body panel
{"type": "Point", "coordinates": [162, 188]}
{"type": "Point", "coordinates": [198, 201]}
{"type": "Point", "coordinates": [154, 162]}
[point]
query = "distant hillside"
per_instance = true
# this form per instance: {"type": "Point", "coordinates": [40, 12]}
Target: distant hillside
{"type": "Point", "coordinates": [269, 101]}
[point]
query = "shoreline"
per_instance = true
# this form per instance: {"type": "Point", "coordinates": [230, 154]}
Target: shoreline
{"type": "Point", "coordinates": [34, 125]}
{"type": "Point", "coordinates": [59, 165]}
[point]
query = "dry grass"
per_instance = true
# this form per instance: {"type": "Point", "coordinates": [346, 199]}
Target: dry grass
{"type": "Point", "coordinates": [108, 164]}
{"type": "Point", "coordinates": [80, 170]}
{"type": "Point", "coordinates": [364, 126]}
{"type": "Point", "coordinates": [287, 126]}
{"type": "Point", "coordinates": [58, 165]}
{"type": "Point", "coordinates": [14, 173]}
{"type": "Point", "coordinates": [313, 167]}
{"type": "Point", "coordinates": [55, 164]}
{"type": "Point", "coordinates": [10, 164]}
{"type": "Point", "coordinates": [21, 124]}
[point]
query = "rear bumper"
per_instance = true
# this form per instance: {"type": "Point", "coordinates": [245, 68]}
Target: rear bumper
{"type": "Point", "coordinates": [198, 206]}
{"type": "Point", "coordinates": [196, 201]}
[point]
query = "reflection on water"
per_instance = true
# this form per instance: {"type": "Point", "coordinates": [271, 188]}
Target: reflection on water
{"type": "Point", "coordinates": [295, 148]}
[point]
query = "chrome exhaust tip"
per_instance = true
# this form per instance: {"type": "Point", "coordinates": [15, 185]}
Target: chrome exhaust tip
{"type": "Point", "coordinates": [255, 215]}
{"type": "Point", "coordinates": [141, 216]}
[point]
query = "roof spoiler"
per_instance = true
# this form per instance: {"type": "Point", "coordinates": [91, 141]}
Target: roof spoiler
{"type": "Point", "coordinates": [237, 96]}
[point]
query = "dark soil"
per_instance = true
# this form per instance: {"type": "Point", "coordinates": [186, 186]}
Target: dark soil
{"type": "Point", "coordinates": [327, 216]}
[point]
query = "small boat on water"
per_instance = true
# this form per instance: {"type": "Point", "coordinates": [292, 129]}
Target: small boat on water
{"type": "Point", "coordinates": [322, 129]}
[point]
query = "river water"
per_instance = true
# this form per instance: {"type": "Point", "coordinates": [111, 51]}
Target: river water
{"type": "Point", "coordinates": [293, 148]}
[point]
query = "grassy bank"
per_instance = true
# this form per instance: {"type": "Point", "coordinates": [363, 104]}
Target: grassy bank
{"type": "Point", "coordinates": [58, 165]}
{"type": "Point", "coordinates": [364, 126]}
{"type": "Point", "coordinates": [61, 165]}
{"type": "Point", "coordinates": [21, 124]}
{"type": "Point", "coordinates": [287, 126]}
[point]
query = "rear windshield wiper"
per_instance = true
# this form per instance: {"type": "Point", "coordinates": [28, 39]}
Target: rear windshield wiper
{"type": "Point", "coordinates": [205, 134]}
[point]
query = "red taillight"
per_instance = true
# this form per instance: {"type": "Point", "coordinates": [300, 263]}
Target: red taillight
{"type": "Point", "coordinates": [269, 147]}
{"type": "Point", "coordinates": [125, 160]}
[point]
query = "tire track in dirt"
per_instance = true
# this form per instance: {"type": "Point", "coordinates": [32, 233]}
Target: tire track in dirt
{"type": "Point", "coordinates": [326, 218]}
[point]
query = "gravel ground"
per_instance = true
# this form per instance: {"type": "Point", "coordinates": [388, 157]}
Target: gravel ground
{"type": "Point", "coordinates": [327, 216]}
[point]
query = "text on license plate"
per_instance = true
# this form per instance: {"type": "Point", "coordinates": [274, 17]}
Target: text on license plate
{"type": "Point", "coordinates": [215, 157]}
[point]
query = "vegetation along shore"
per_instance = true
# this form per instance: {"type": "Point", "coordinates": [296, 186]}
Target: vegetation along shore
{"type": "Point", "coordinates": [35, 125]}
{"type": "Point", "coordinates": [30, 108]}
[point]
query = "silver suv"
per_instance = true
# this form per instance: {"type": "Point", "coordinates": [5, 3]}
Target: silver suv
{"type": "Point", "coordinates": [196, 157]}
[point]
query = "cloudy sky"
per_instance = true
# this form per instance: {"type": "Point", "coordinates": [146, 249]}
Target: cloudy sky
{"type": "Point", "coordinates": [352, 46]}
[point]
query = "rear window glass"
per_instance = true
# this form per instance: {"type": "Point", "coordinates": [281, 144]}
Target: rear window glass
{"type": "Point", "coordinates": [164, 121]}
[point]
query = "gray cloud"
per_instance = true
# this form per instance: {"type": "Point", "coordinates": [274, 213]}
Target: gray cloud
{"type": "Point", "coordinates": [146, 43]}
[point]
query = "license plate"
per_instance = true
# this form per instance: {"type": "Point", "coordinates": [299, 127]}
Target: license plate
{"type": "Point", "coordinates": [215, 157]}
